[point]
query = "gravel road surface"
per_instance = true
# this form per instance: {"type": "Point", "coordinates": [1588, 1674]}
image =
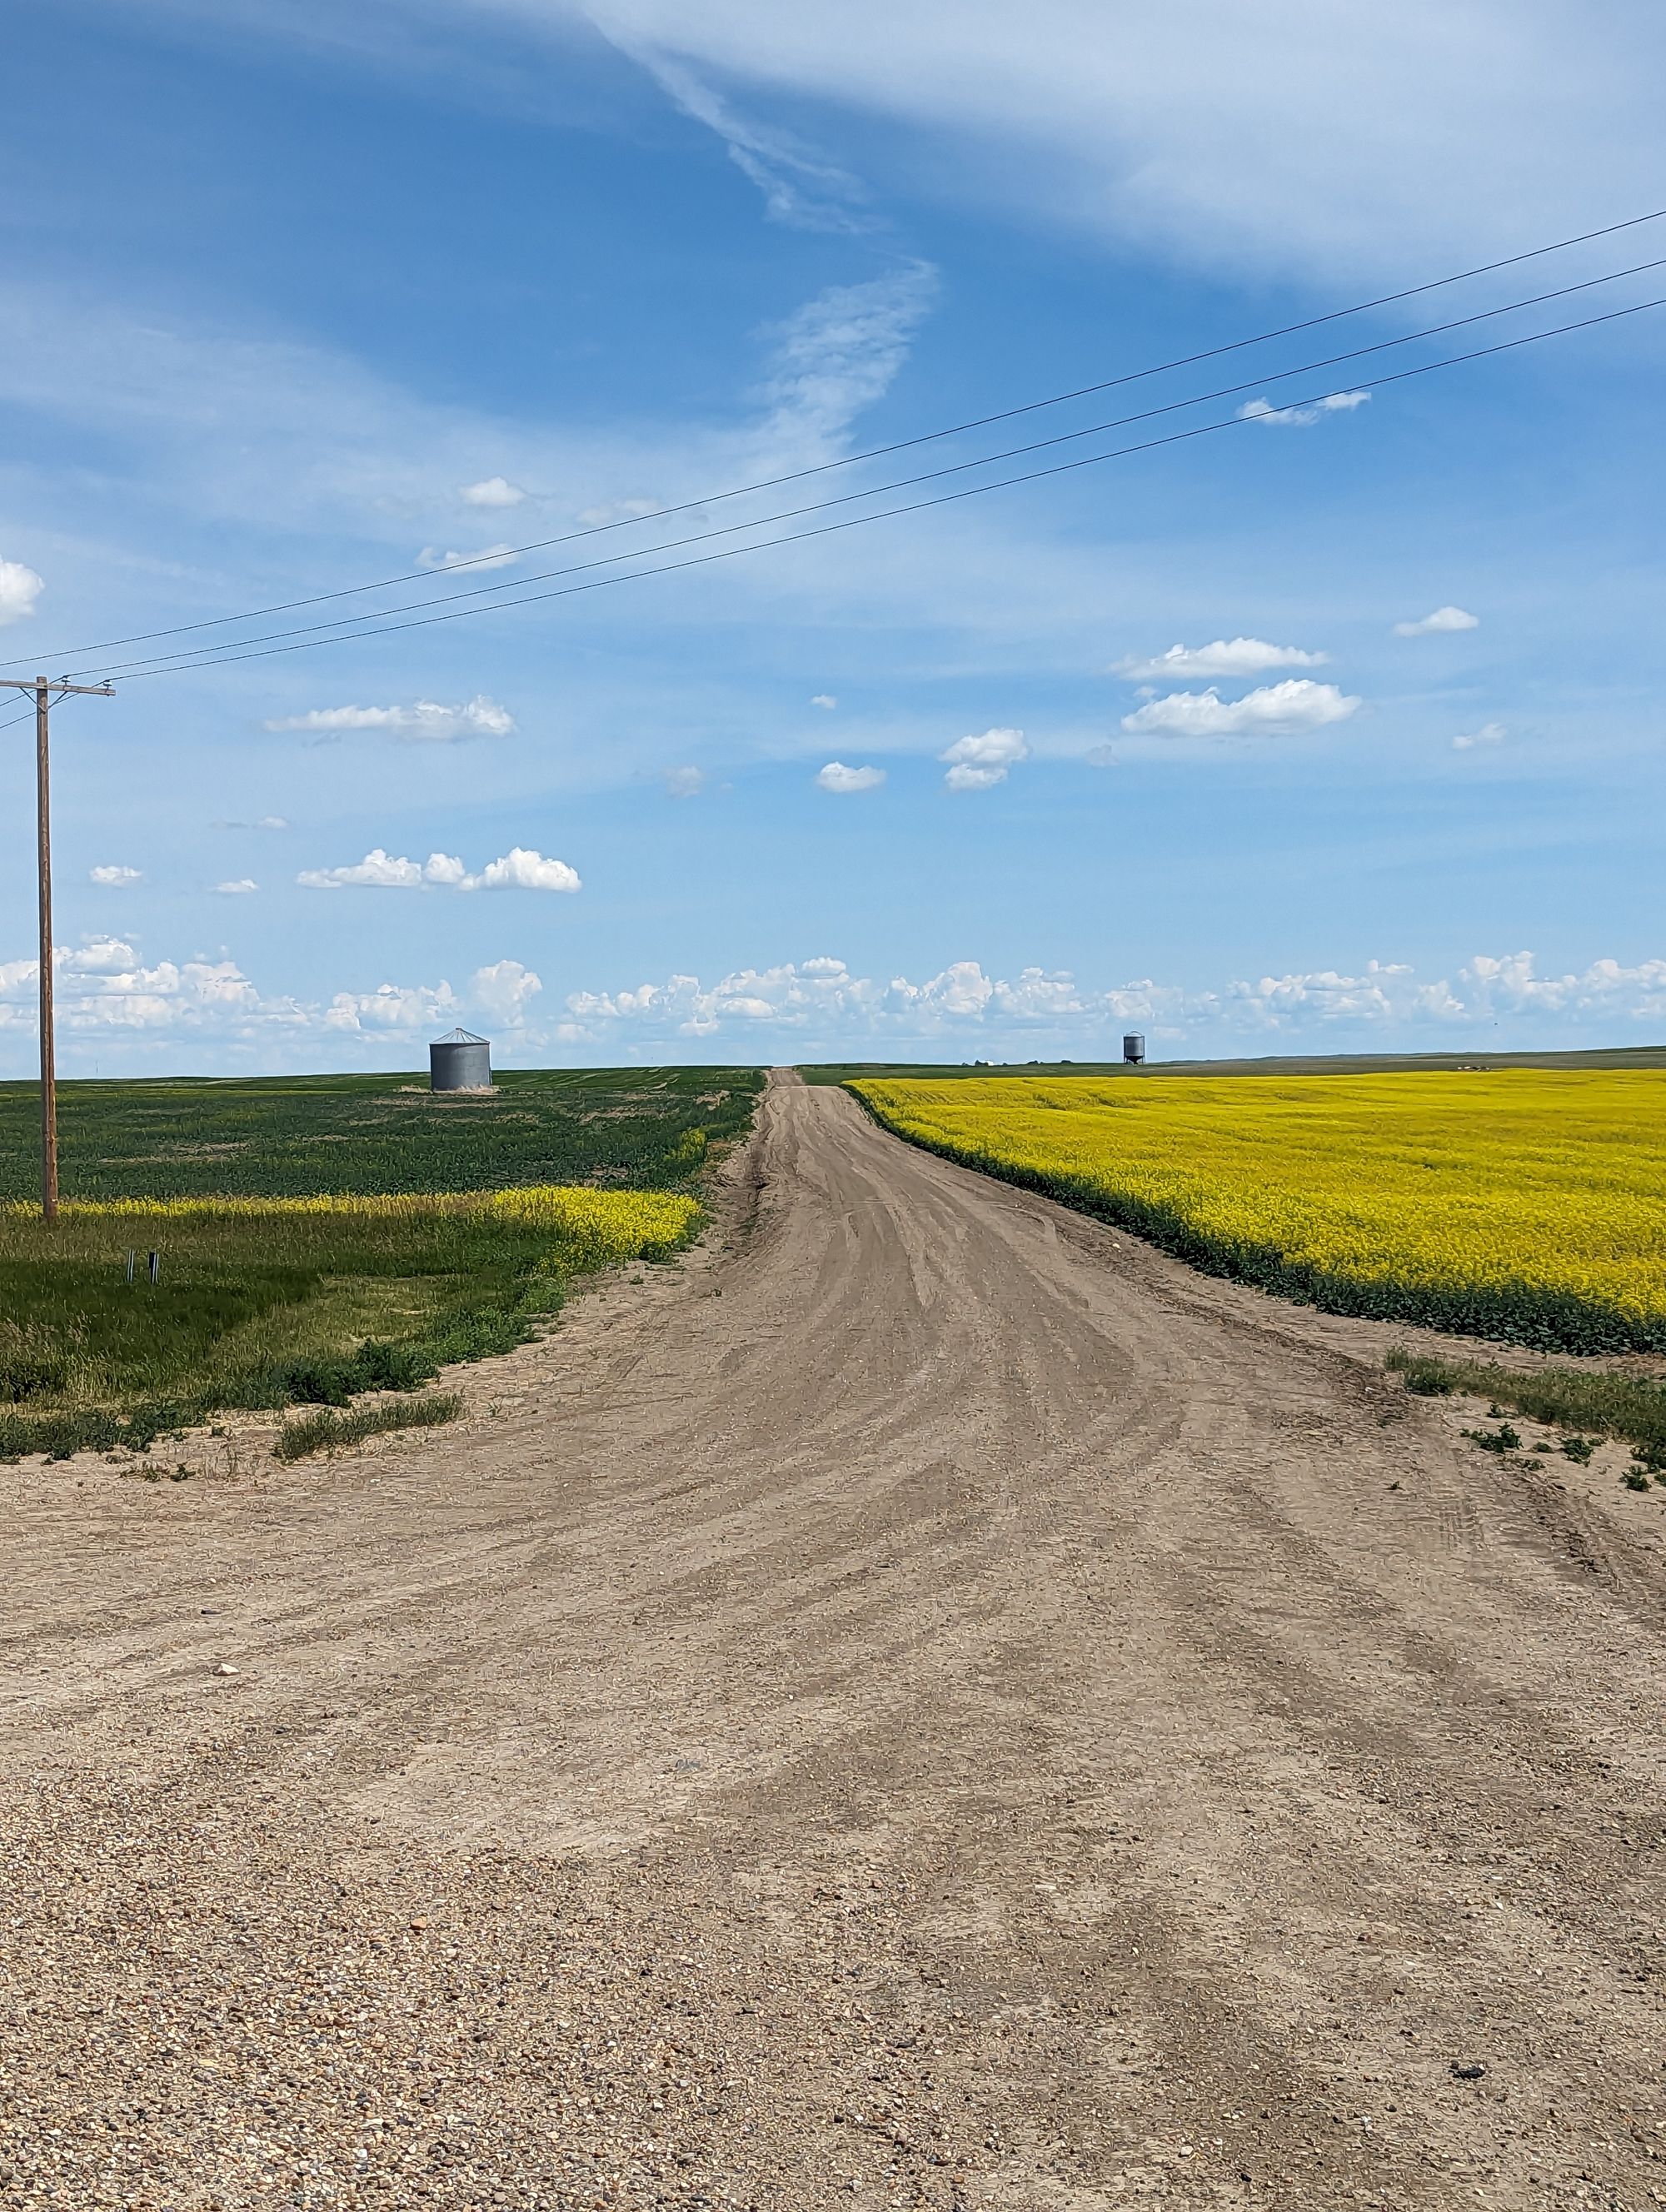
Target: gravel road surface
{"type": "Point", "coordinates": [923, 1704]}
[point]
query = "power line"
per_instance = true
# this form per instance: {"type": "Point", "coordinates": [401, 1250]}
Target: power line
{"type": "Point", "coordinates": [180, 665]}
{"type": "Point", "coordinates": [876, 452]}
{"type": "Point", "coordinates": [354, 623]}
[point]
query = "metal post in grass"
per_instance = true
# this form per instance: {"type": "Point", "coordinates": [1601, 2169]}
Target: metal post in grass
{"type": "Point", "coordinates": [43, 688]}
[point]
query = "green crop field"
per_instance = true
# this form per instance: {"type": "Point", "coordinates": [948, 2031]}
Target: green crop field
{"type": "Point", "coordinates": [304, 1136]}
{"type": "Point", "coordinates": [321, 1237]}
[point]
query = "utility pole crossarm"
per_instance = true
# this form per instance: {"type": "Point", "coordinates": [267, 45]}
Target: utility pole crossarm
{"type": "Point", "coordinates": [61, 684]}
{"type": "Point", "coordinates": [43, 688]}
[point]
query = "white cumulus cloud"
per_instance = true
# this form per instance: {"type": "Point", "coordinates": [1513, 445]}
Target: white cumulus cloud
{"type": "Point", "coordinates": [686, 782]}
{"type": "Point", "coordinates": [491, 491]}
{"type": "Point", "coordinates": [822, 996]}
{"type": "Point", "coordinates": [1490, 733]}
{"type": "Point", "coordinates": [504, 991]}
{"type": "Point", "coordinates": [519, 869]}
{"type": "Point", "coordinates": [1277, 709]}
{"type": "Point", "coordinates": [821, 1007]}
{"type": "Point", "coordinates": [836, 776]}
{"type": "Point", "coordinates": [427, 720]}
{"type": "Point", "coordinates": [825, 700]}
{"type": "Point", "coordinates": [977, 764]}
{"type": "Point", "coordinates": [1227, 656]}
{"type": "Point", "coordinates": [107, 990]}
{"type": "Point", "coordinates": [1442, 620]}
{"type": "Point", "coordinates": [393, 1006]}
{"type": "Point", "coordinates": [1334, 403]}
{"type": "Point", "coordinates": [378, 871]}
{"type": "Point", "coordinates": [20, 588]}
{"type": "Point", "coordinates": [1511, 984]}
{"type": "Point", "coordinates": [114, 878]}
{"type": "Point", "coordinates": [499, 993]}
{"type": "Point", "coordinates": [239, 889]}
{"type": "Point", "coordinates": [103, 986]}
{"type": "Point", "coordinates": [98, 956]}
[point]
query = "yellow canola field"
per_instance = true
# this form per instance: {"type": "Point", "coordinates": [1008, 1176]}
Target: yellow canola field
{"type": "Point", "coordinates": [605, 1225]}
{"type": "Point", "coordinates": [595, 1227]}
{"type": "Point", "coordinates": [1527, 1204]}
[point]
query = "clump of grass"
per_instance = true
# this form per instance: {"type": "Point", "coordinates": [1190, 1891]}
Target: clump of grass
{"type": "Point", "coordinates": [1502, 1439]}
{"type": "Point", "coordinates": [329, 1430]}
{"type": "Point", "coordinates": [1629, 1407]}
{"type": "Point", "coordinates": [1426, 1378]}
{"type": "Point", "coordinates": [61, 1436]}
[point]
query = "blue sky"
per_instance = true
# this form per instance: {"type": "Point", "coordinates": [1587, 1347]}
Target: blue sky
{"type": "Point", "coordinates": [290, 307]}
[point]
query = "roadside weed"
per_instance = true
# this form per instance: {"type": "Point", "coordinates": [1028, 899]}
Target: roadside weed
{"type": "Point", "coordinates": [1505, 1439]}
{"type": "Point", "coordinates": [1589, 1403]}
{"type": "Point", "coordinates": [328, 1430]}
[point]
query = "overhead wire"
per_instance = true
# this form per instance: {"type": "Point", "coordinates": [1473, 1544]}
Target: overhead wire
{"type": "Point", "coordinates": [876, 452]}
{"type": "Point", "coordinates": [213, 657]}
{"type": "Point", "coordinates": [355, 625]}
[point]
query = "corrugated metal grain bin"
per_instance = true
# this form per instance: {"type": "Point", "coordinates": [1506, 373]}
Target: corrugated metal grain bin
{"type": "Point", "coordinates": [460, 1061]}
{"type": "Point", "coordinates": [1133, 1048]}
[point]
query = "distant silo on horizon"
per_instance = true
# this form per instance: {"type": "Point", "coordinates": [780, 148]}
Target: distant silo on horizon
{"type": "Point", "coordinates": [460, 1061]}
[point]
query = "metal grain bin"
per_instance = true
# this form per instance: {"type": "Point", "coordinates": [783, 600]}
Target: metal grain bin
{"type": "Point", "coordinates": [459, 1062]}
{"type": "Point", "coordinates": [1133, 1048]}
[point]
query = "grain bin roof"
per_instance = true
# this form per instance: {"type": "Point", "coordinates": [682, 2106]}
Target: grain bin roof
{"type": "Point", "coordinates": [460, 1036]}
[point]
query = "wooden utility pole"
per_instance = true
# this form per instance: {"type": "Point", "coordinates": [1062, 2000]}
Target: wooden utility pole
{"type": "Point", "coordinates": [43, 688]}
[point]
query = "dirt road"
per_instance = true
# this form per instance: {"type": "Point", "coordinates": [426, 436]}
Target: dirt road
{"type": "Point", "coordinates": [925, 1703]}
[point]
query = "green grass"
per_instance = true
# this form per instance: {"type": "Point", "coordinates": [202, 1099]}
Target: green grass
{"type": "Point", "coordinates": [1599, 1402]}
{"type": "Point", "coordinates": [255, 1313]}
{"type": "Point", "coordinates": [301, 1136]}
{"type": "Point", "coordinates": [309, 1308]}
{"type": "Point", "coordinates": [328, 1430]}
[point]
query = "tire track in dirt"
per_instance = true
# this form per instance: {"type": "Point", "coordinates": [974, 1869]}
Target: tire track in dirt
{"type": "Point", "coordinates": [925, 1704]}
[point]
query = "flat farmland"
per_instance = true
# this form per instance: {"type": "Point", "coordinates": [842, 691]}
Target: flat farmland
{"type": "Point", "coordinates": [931, 1702]}
{"type": "Point", "coordinates": [318, 1239]}
{"type": "Point", "coordinates": [311, 1136]}
{"type": "Point", "coordinates": [1525, 1204]}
